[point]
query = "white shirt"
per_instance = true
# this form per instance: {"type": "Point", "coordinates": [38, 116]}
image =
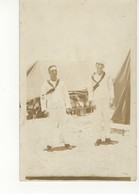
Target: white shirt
{"type": "Point", "coordinates": [57, 99]}
{"type": "Point", "coordinates": [103, 91]}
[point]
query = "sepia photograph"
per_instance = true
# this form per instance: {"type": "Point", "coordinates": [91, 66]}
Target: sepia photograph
{"type": "Point", "coordinates": [78, 90]}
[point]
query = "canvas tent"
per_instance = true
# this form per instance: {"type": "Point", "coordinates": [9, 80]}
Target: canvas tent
{"type": "Point", "coordinates": [122, 94]}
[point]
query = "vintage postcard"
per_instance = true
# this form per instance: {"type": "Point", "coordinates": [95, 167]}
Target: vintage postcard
{"type": "Point", "coordinates": [78, 90]}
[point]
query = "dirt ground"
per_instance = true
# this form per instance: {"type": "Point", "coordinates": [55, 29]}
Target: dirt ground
{"type": "Point", "coordinates": [84, 159]}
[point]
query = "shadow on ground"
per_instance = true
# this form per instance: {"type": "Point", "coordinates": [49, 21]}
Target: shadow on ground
{"type": "Point", "coordinates": [112, 143]}
{"type": "Point", "coordinates": [61, 148]}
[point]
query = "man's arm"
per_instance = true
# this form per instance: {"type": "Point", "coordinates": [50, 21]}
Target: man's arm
{"type": "Point", "coordinates": [66, 99]}
{"type": "Point", "coordinates": [90, 92]}
{"type": "Point", "coordinates": [111, 91]}
{"type": "Point", "coordinates": [43, 98]}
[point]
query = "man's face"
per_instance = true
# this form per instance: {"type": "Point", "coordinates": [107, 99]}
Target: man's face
{"type": "Point", "coordinates": [99, 67]}
{"type": "Point", "coordinates": [53, 72]}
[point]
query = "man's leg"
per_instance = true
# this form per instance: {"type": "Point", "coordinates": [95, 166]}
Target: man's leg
{"type": "Point", "coordinates": [51, 135]}
{"type": "Point", "coordinates": [64, 128]}
{"type": "Point", "coordinates": [106, 114]}
{"type": "Point", "coordinates": [106, 110]}
{"type": "Point", "coordinates": [98, 122]}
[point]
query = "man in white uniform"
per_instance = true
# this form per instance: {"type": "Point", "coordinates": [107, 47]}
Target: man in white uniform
{"type": "Point", "coordinates": [55, 102]}
{"type": "Point", "coordinates": [101, 95]}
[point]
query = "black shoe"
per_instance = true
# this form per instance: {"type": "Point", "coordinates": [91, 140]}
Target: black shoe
{"type": "Point", "coordinates": [98, 142]}
{"type": "Point", "coordinates": [49, 148]}
{"type": "Point", "coordinates": [109, 141]}
{"type": "Point", "coordinates": [68, 146]}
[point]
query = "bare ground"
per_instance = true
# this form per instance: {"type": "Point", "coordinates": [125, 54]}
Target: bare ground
{"type": "Point", "coordinates": [84, 159]}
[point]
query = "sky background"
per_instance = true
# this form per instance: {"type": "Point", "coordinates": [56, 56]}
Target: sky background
{"type": "Point", "coordinates": [83, 31]}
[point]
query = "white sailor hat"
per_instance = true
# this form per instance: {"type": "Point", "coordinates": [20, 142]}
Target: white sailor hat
{"type": "Point", "coordinates": [52, 68]}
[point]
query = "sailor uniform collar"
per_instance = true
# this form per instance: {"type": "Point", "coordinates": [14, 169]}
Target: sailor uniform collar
{"type": "Point", "coordinates": [97, 82]}
{"type": "Point", "coordinates": [54, 84]}
{"type": "Point", "coordinates": [101, 76]}
{"type": "Point", "coordinates": [53, 88]}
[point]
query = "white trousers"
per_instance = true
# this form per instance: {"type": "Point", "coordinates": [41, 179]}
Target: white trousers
{"type": "Point", "coordinates": [102, 119]}
{"type": "Point", "coordinates": [57, 132]}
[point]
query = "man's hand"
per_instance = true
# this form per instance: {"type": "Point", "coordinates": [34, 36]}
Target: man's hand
{"type": "Point", "coordinates": [111, 102]}
{"type": "Point", "coordinates": [45, 112]}
{"type": "Point", "coordinates": [68, 111]}
{"type": "Point", "coordinates": [90, 103]}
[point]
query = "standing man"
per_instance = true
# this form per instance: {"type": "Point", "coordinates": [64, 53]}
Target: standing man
{"type": "Point", "coordinates": [55, 102]}
{"type": "Point", "coordinates": [101, 95]}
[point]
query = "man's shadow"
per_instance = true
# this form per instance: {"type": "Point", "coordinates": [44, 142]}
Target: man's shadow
{"type": "Point", "coordinates": [61, 148]}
